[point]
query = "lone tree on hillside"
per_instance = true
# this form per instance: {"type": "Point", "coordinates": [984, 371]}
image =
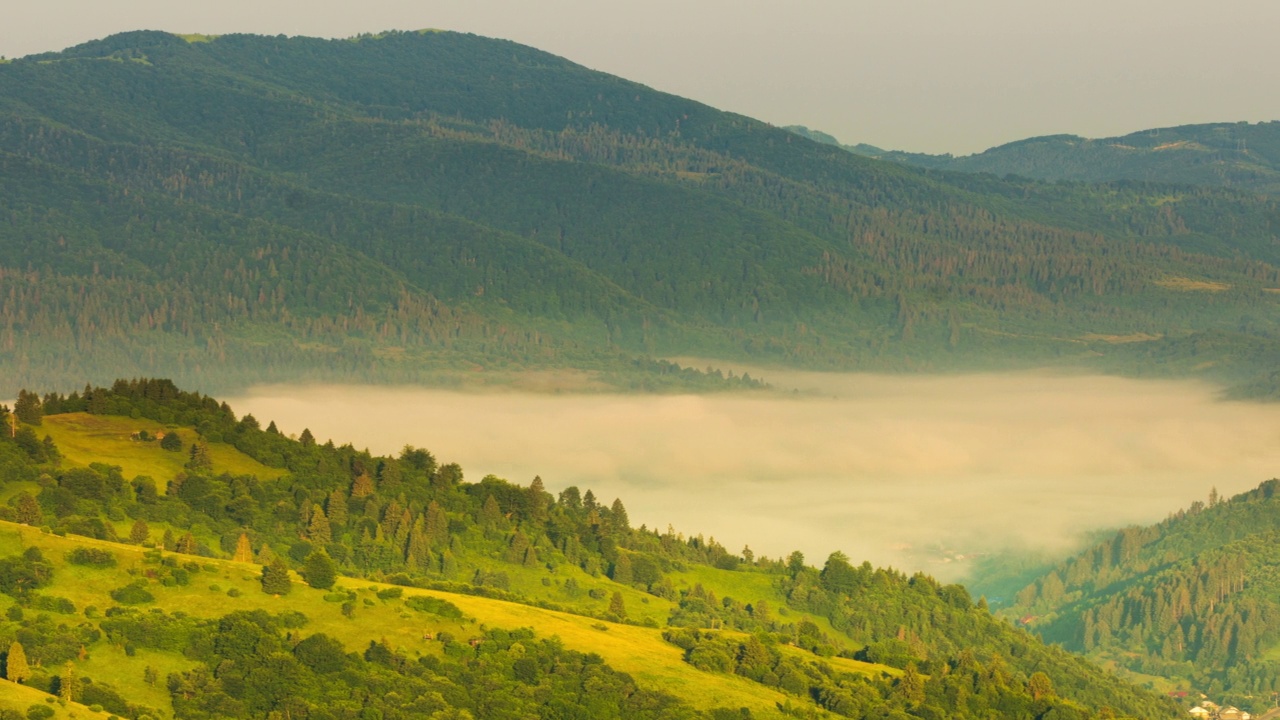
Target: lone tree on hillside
{"type": "Point", "coordinates": [28, 509]}
{"type": "Point", "coordinates": [319, 571]}
{"type": "Point", "coordinates": [16, 668]}
{"type": "Point", "coordinates": [171, 441]}
{"type": "Point", "coordinates": [617, 607]}
{"type": "Point", "coordinates": [139, 533]}
{"type": "Point", "coordinates": [244, 551]}
{"type": "Point", "coordinates": [275, 578]}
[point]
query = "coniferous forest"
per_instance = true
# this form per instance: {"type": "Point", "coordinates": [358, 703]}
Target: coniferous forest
{"type": "Point", "coordinates": [412, 206]}
{"type": "Point", "coordinates": [337, 541]}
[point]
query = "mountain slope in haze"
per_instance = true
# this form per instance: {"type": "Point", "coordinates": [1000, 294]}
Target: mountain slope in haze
{"type": "Point", "coordinates": [434, 594]}
{"type": "Point", "coordinates": [401, 206]}
{"type": "Point", "coordinates": [1192, 599]}
{"type": "Point", "coordinates": [1241, 156]}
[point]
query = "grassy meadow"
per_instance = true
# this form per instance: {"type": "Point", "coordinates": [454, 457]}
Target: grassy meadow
{"type": "Point", "coordinates": [222, 586]}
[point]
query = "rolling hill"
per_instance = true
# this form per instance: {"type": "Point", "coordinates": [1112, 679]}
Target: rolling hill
{"type": "Point", "coordinates": [1192, 600]}
{"type": "Point", "coordinates": [1243, 156]}
{"type": "Point", "coordinates": [346, 583]}
{"type": "Point", "coordinates": [415, 206]}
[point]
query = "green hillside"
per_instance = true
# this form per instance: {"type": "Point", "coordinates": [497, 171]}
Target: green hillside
{"type": "Point", "coordinates": [1194, 599]}
{"type": "Point", "coordinates": [214, 592]}
{"type": "Point", "coordinates": [413, 207]}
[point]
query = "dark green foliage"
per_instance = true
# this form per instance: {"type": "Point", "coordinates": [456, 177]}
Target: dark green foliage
{"type": "Point", "coordinates": [172, 441]}
{"type": "Point", "coordinates": [134, 593]}
{"type": "Point", "coordinates": [21, 574]}
{"type": "Point", "coordinates": [275, 578]}
{"type": "Point", "coordinates": [27, 408]}
{"type": "Point", "coordinates": [95, 557]}
{"type": "Point", "coordinates": [435, 606]}
{"type": "Point", "coordinates": [319, 571]}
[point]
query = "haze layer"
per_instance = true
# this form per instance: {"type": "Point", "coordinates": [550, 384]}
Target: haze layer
{"type": "Point", "coordinates": [900, 471]}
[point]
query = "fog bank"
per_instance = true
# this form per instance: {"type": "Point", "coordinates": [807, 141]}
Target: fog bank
{"type": "Point", "coordinates": [902, 471]}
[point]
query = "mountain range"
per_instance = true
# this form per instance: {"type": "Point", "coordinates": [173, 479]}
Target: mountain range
{"type": "Point", "coordinates": [1240, 155]}
{"type": "Point", "coordinates": [419, 206]}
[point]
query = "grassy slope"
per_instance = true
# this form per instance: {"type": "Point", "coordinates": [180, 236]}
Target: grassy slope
{"type": "Point", "coordinates": [19, 698]}
{"type": "Point", "coordinates": [85, 438]}
{"type": "Point", "coordinates": [636, 650]}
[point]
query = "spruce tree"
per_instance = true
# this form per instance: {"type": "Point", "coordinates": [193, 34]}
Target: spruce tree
{"type": "Point", "coordinates": [539, 499]}
{"type": "Point", "coordinates": [616, 606]}
{"type": "Point", "coordinates": [319, 571]}
{"type": "Point", "coordinates": [244, 551]}
{"type": "Point", "coordinates": [618, 516]}
{"type": "Point", "coordinates": [491, 513]}
{"type": "Point", "coordinates": [199, 458]}
{"type": "Point", "coordinates": [437, 525]}
{"type": "Point", "coordinates": [336, 510]}
{"type": "Point", "coordinates": [362, 486]}
{"type": "Point", "coordinates": [187, 545]}
{"type": "Point", "coordinates": [306, 438]}
{"type": "Point", "coordinates": [16, 668]}
{"type": "Point", "coordinates": [168, 540]}
{"type": "Point", "coordinates": [266, 555]}
{"type": "Point", "coordinates": [275, 578]}
{"type": "Point", "coordinates": [318, 530]}
{"type": "Point", "coordinates": [139, 533]}
{"type": "Point", "coordinates": [27, 409]}
{"type": "Point", "coordinates": [516, 550]}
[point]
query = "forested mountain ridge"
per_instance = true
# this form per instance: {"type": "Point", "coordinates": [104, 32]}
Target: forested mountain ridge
{"type": "Point", "coordinates": [397, 207]}
{"type": "Point", "coordinates": [1192, 599]}
{"type": "Point", "coordinates": [1240, 155]}
{"type": "Point", "coordinates": [178, 593]}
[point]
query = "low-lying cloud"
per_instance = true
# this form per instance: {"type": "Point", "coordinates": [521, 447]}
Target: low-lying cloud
{"type": "Point", "coordinates": [901, 471]}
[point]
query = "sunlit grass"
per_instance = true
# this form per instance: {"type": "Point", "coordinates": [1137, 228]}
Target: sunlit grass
{"type": "Point", "coordinates": [20, 697]}
{"type": "Point", "coordinates": [85, 439]}
{"type": "Point", "coordinates": [639, 651]}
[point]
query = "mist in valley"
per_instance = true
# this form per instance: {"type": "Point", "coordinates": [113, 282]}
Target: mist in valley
{"type": "Point", "coordinates": [912, 472]}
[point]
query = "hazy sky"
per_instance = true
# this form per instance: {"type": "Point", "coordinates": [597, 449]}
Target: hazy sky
{"type": "Point", "coordinates": [925, 75]}
{"type": "Point", "coordinates": [889, 469]}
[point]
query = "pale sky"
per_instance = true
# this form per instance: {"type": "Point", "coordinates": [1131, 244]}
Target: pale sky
{"type": "Point", "coordinates": [923, 75]}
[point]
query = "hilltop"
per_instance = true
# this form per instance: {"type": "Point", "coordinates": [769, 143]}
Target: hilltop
{"type": "Point", "coordinates": [415, 207]}
{"type": "Point", "coordinates": [209, 593]}
{"type": "Point", "coordinates": [1240, 155]}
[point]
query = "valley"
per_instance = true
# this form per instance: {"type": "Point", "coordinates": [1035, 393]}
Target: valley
{"type": "Point", "coordinates": [893, 469]}
{"type": "Point", "coordinates": [420, 374]}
